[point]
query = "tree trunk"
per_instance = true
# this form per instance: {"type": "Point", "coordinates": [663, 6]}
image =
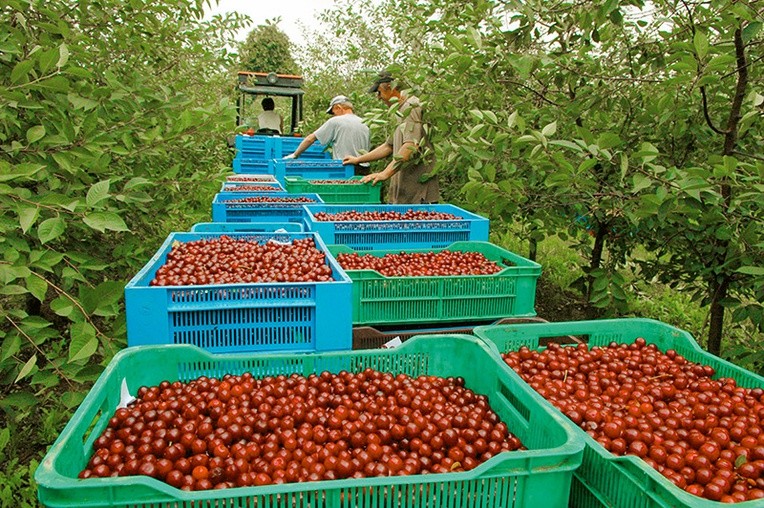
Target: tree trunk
{"type": "Point", "coordinates": [596, 260]}
{"type": "Point", "coordinates": [716, 325]}
{"type": "Point", "coordinates": [532, 249]}
{"type": "Point", "coordinates": [719, 290]}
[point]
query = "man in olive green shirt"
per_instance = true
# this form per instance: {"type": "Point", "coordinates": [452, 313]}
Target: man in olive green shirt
{"type": "Point", "coordinates": [413, 161]}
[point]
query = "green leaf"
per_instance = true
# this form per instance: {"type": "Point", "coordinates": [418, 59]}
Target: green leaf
{"type": "Point", "coordinates": [567, 144]}
{"type": "Point", "coordinates": [18, 400]}
{"type": "Point", "coordinates": [84, 342]}
{"type": "Point", "coordinates": [5, 438]}
{"type": "Point", "coordinates": [20, 171]}
{"type": "Point", "coordinates": [13, 289]}
{"type": "Point", "coordinates": [751, 30]}
{"type": "Point", "coordinates": [624, 165]}
{"type": "Point", "coordinates": [20, 71]}
{"type": "Point", "coordinates": [62, 306]}
{"type": "Point", "coordinates": [50, 229]}
{"type": "Point", "coordinates": [700, 41]}
{"type": "Point", "coordinates": [640, 182]}
{"type": "Point", "coordinates": [549, 129]}
{"type": "Point", "coordinates": [35, 133]}
{"type": "Point", "coordinates": [37, 287]}
{"type": "Point", "coordinates": [63, 55]}
{"type": "Point", "coordinates": [103, 296]}
{"type": "Point", "coordinates": [751, 270]}
{"type": "Point", "coordinates": [608, 140]}
{"type": "Point", "coordinates": [27, 217]}
{"type": "Point", "coordinates": [27, 368]}
{"type": "Point", "coordinates": [101, 221]}
{"type": "Point", "coordinates": [97, 192]}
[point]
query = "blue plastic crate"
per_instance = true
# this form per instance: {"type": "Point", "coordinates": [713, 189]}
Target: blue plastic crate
{"type": "Point", "coordinates": [237, 186]}
{"type": "Point", "coordinates": [254, 147]}
{"type": "Point", "coordinates": [249, 165]}
{"type": "Point", "coordinates": [284, 145]}
{"type": "Point", "coordinates": [276, 211]}
{"type": "Point", "coordinates": [294, 317]}
{"type": "Point", "coordinates": [310, 169]}
{"type": "Point", "coordinates": [370, 235]}
{"type": "Point", "coordinates": [247, 227]}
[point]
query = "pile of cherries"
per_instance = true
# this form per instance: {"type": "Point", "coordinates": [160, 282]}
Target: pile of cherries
{"type": "Point", "coordinates": [241, 431]}
{"type": "Point", "coordinates": [421, 263]}
{"type": "Point", "coordinates": [273, 199]}
{"type": "Point", "coordinates": [252, 188]}
{"type": "Point", "coordinates": [704, 435]}
{"type": "Point", "coordinates": [336, 182]}
{"type": "Point", "coordinates": [226, 260]}
{"type": "Point", "coordinates": [250, 178]}
{"type": "Point", "coordinates": [391, 215]}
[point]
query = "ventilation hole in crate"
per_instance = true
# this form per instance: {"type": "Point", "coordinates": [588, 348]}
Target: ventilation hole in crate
{"type": "Point", "coordinates": [515, 402]}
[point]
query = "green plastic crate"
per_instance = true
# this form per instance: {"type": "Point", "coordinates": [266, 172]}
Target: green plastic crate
{"type": "Point", "coordinates": [538, 476]}
{"type": "Point", "coordinates": [381, 300]}
{"type": "Point", "coordinates": [604, 479]}
{"type": "Point", "coordinates": [336, 193]}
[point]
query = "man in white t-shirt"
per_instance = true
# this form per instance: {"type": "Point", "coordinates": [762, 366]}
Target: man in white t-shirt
{"type": "Point", "coordinates": [269, 121]}
{"type": "Point", "coordinates": [344, 132]}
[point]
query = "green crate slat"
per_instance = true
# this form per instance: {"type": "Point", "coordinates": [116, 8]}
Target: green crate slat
{"type": "Point", "coordinates": [336, 193]}
{"type": "Point", "coordinates": [604, 479]}
{"type": "Point", "coordinates": [538, 476]}
{"type": "Point", "coordinates": [381, 300]}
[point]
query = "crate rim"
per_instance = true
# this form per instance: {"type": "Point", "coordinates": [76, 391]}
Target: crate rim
{"type": "Point", "coordinates": [220, 197]}
{"type": "Point", "coordinates": [528, 267]}
{"type": "Point", "coordinates": [46, 474]}
{"type": "Point", "coordinates": [177, 235]}
{"type": "Point", "coordinates": [449, 208]}
{"type": "Point", "coordinates": [680, 494]}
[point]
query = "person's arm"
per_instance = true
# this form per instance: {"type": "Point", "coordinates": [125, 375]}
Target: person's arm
{"type": "Point", "coordinates": [281, 124]}
{"type": "Point", "coordinates": [404, 154]}
{"type": "Point", "coordinates": [304, 144]}
{"type": "Point", "coordinates": [380, 152]}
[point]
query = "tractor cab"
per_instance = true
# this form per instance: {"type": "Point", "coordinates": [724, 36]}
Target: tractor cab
{"type": "Point", "coordinates": [254, 86]}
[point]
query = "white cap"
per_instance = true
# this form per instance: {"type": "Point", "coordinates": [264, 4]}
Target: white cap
{"type": "Point", "coordinates": [337, 100]}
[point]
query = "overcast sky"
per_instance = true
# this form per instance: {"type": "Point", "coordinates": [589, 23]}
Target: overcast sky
{"type": "Point", "coordinates": [290, 12]}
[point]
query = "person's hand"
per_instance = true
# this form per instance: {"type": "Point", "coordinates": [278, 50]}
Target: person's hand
{"type": "Point", "coordinates": [374, 178]}
{"type": "Point", "coordinates": [350, 160]}
{"type": "Point", "coordinates": [290, 156]}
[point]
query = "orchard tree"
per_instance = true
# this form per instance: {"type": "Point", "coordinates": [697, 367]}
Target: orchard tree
{"type": "Point", "coordinates": [112, 132]}
{"type": "Point", "coordinates": [267, 49]}
{"type": "Point", "coordinates": [634, 131]}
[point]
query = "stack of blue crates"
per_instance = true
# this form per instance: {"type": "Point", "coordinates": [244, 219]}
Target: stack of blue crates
{"type": "Point", "coordinates": [254, 153]}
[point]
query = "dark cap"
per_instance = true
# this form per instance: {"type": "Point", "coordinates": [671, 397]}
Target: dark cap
{"type": "Point", "coordinates": [382, 77]}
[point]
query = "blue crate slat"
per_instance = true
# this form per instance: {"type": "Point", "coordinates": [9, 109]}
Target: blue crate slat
{"type": "Point", "coordinates": [283, 145]}
{"type": "Point", "coordinates": [297, 317]}
{"type": "Point", "coordinates": [247, 227]}
{"type": "Point", "coordinates": [246, 165]}
{"type": "Point", "coordinates": [370, 235]}
{"type": "Point", "coordinates": [254, 147]}
{"type": "Point", "coordinates": [222, 211]}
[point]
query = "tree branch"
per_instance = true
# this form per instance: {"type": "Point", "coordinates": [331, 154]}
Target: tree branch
{"type": "Point", "coordinates": [535, 92]}
{"type": "Point", "coordinates": [706, 115]}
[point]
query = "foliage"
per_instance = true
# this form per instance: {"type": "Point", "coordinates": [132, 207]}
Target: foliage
{"type": "Point", "coordinates": [588, 121]}
{"type": "Point", "coordinates": [108, 139]}
{"type": "Point", "coordinates": [267, 49]}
